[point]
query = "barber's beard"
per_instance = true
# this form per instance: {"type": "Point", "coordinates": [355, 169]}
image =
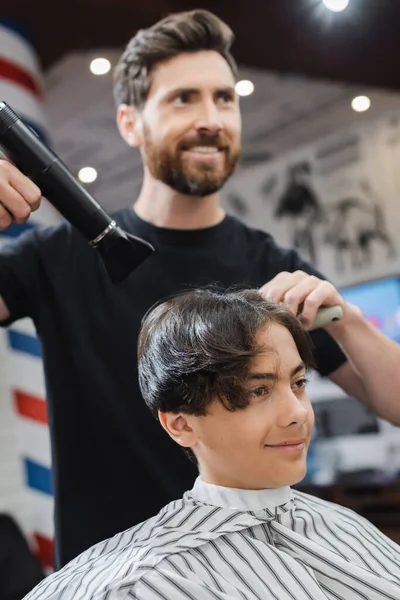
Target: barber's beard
{"type": "Point", "coordinates": [182, 173]}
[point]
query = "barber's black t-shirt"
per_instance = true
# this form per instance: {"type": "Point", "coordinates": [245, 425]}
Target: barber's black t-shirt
{"type": "Point", "coordinates": [113, 464]}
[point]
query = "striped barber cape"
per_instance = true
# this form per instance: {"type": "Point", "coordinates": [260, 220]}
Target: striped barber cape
{"type": "Point", "coordinates": [225, 544]}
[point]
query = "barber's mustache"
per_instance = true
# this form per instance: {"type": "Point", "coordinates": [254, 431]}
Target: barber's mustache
{"type": "Point", "coordinates": [216, 140]}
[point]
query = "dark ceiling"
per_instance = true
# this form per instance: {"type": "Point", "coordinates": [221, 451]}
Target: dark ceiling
{"type": "Point", "coordinates": [360, 45]}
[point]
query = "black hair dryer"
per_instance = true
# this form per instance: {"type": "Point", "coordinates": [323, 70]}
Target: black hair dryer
{"type": "Point", "coordinates": [120, 251]}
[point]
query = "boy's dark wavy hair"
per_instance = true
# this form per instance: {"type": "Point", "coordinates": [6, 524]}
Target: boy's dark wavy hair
{"type": "Point", "coordinates": [197, 347]}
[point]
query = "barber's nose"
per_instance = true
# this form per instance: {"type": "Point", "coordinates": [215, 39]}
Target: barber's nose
{"type": "Point", "coordinates": [209, 119]}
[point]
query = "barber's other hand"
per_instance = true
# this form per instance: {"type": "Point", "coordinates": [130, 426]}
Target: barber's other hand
{"type": "Point", "coordinates": [306, 293]}
{"type": "Point", "coordinates": [19, 196]}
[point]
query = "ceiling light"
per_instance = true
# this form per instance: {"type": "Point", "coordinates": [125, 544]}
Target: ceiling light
{"type": "Point", "coordinates": [244, 87]}
{"type": "Point", "coordinates": [336, 5]}
{"type": "Point", "coordinates": [360, 103]}
{"type": "Point", "coordinates": [87, 175]}
{"type": "Point", "coordinates": [100, 66]}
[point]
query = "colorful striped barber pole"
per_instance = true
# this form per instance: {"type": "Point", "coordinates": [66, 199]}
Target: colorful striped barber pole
{"type": "Point", "coordinates": [26, 490]}
{"type": "Point", "coordinates": [21, 83]}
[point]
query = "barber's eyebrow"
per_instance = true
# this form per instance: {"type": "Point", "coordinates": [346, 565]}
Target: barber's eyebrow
{"type": "Point", "coordinates": [193, 90]}
{"type": "Point", "coordinates": [274, 376]}
{"type": "Point", "coordinates": [182, 90]}
{"type": "Point", "coordinates": [228, 89]}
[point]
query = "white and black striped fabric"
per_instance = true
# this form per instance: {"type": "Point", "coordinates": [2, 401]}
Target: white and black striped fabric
{"type": "Point", "coordinates": [224, 544]}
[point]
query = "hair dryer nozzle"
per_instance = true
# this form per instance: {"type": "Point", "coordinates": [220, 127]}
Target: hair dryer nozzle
{"type": "Point", "coordinates": [121, 253]}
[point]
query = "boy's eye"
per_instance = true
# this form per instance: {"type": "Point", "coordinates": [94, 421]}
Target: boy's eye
{"type": "Point", "coordinates": [300, 384]}
{"type": "Point", "coordinates": [260, 391]}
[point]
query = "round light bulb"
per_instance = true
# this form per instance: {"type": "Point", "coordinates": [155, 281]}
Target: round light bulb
{"type": "Point", "coordinates": [336, 5]}
{"type": "Point", "coordinates": [360, 103]}
{"type": "Point", "coordinates": [100, 66]}
{"type": "Point", "coordinates": [244, 87]}
{"type": "Point", "coordinates": [87, 175]}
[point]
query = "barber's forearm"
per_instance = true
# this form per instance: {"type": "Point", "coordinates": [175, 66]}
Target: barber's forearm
{"type": "Point", "coordinates": [376, 360]}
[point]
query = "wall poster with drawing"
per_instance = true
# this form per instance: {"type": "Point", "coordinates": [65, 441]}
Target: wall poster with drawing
{"type": "Point", "coordinates": [335, 201]}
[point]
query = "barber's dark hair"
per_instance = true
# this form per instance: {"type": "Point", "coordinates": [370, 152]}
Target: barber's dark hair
{"type": "Point", "coordinates": [197, 347]}
{"type": "Point", "coordinates": [188, 31]}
